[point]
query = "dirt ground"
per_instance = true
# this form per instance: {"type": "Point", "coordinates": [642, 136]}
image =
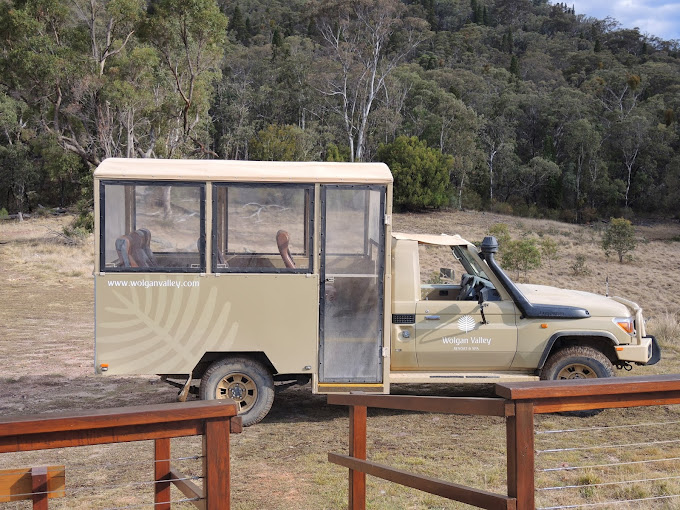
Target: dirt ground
{"type": "Point", "coordinates": [46, 365]}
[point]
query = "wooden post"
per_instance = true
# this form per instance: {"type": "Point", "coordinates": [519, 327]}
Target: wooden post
{"type": "Point", "coordinates": [216, 464]}
{"type": "Point", "coordinates": [357, 449]}
{"type": "Point", "coordinates": [162, 472]}
{"type": "Point", "coordinates": [39, 487]}
{"type": "Point", "coordinates": [520, 451]}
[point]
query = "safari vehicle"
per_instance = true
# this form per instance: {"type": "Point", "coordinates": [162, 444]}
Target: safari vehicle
{"type": "Point", "coordinates": [230, 277]}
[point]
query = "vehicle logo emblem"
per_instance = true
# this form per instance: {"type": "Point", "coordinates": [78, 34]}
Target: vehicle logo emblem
{"type": "Point", "coordinates": [467, 323]}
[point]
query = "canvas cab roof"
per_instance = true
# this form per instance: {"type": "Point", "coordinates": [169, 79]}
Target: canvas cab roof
{"type": "Point", "coordinates": [439, 240]}
{"type": "Point", "coordinates": [242, 171]}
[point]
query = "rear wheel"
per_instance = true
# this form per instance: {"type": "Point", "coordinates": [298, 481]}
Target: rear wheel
{"type": "Point", "coordinates": [243, 380]}
{"type": "Point", "coordinates": [577, 362]}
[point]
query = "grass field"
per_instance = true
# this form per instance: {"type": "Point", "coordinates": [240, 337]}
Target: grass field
{"type": "Point", "coordinates": [46, 353]}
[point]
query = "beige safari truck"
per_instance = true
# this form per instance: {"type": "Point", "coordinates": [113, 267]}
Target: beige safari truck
{"type": "Point", "coordinates": [231, 278]}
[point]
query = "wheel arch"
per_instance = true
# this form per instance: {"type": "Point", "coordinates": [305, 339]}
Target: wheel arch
{"type": "Point", "coordinates": [603, 341]}
{"type": "Point", "coordinates": [210, 357]}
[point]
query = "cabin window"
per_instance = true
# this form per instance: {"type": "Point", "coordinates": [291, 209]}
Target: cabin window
{"type": "Point", "coordinates": [152, 227]}
{"type": "Point", "coordinates": [262, 228]}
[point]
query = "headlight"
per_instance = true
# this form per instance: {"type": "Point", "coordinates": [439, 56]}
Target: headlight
{"type": "Point", "coordinates": [626, 323]}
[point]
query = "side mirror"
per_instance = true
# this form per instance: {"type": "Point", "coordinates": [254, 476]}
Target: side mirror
{"type": "Point", "coordinates": [446, 274]}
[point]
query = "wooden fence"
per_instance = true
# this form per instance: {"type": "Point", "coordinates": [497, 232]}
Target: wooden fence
{"type": "Point", "coordinates": [213, 419]}
{"type": "Point", "coordinates": [518, 403]}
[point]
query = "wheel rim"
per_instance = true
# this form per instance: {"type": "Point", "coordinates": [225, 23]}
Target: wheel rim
{"type": "Point", "coordinates": [240, 388]}
{"type": "Point", "coordinates": [577, 371]}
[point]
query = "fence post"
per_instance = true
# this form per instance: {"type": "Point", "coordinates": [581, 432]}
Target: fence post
{"type": "Point", "coordinates": [357, 449]}
{"type": "Point", "coordinates": [520, 451]}
{"type": "Point", "coordinates": [39, 487]}
{"type": "Point", "coordinates": [162, 472]}
{"type": "Point", "coordinates": [216, 464]}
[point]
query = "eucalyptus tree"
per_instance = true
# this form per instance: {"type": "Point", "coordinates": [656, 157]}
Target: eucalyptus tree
{"type": "Point", "coordinates": [189, 35]}
{"type": "Point", "coordinates": [363, 42]}
{"type": "Point", "coordinates": [57, 59]}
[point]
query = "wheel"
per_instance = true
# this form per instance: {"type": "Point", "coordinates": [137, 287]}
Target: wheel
{"type": "Point", "coordinates": [243, 380]}
{"type": "Point", "coordinates": [577, 362]}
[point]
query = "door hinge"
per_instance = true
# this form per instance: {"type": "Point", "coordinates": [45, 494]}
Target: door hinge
{"type": "Point", "coordinates": [385, 352]}
{"type": "Point", "coordinates": [388, 219]}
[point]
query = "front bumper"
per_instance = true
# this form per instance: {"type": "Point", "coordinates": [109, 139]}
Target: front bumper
{"type": "Point", "coordinates": [647, 352]}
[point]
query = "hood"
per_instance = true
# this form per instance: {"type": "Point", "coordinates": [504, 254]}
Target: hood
{"type": "Point", "coordinates": [596, 304]}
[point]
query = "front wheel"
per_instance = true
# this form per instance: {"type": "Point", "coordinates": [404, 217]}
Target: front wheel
{"type": "Point", "coordinates": [577, 362]}
{"type": "Point", "coordinates": [243, 380]}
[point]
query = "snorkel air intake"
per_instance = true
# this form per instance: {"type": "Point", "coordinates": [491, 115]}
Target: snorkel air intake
{"type": "Point", "coordinates": [489, 248]}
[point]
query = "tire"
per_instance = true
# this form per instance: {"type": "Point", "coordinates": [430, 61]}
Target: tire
{"type": "Point", "coordinates": [245, 381]}
{"type": "Point", "coordinates": [577, 362]}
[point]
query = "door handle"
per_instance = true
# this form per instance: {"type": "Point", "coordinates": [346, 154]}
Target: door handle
{"type": "Point", "coordinates": [432, 317]}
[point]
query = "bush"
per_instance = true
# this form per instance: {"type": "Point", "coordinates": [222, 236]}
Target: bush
{"type": "Point", "coordinates": [3, 213]}
{"type": "Point", "coordinates": [501, 208]}
{"type": "Point", "coordinates": [549, 250]}
{"type": "Point", "coordinates": [579, 267]}
{"type": "Point", "coordinates": [421, 174]}
{"type": "Point", "coordinates": [619, 238]}
{"type": "Point", "coordinates": [502, 234]}
{"type": "Point", "coordinates": [522, 255]}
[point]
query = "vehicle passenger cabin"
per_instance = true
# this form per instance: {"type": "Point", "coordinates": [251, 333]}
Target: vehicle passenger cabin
{"type": "Point", "coordinates": [236, 273]}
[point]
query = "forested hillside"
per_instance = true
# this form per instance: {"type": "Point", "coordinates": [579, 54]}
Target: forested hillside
{"type": "Point", "coordinates": [517, 105]}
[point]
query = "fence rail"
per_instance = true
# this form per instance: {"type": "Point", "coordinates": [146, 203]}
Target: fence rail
{"type": "Point", "coordinates": [517, 403]}
{"type": "Point", "coordinates": [214, 420]}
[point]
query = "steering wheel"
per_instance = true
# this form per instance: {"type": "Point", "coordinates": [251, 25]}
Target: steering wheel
{"type": "Point", "coordinates": [468, 284]}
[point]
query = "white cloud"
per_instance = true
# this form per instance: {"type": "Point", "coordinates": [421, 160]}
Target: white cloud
{"type": "Point", "coordinates": [653, 17]}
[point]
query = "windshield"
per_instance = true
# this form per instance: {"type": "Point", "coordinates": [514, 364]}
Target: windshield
{"type": "Point", "coordinates": [469, 261]}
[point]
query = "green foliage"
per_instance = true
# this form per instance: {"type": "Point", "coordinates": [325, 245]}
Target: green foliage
{"type": "Point", "coordinates": [619, 238]}
{"type": "Point", "coordinates": [3, 213]}
{"type": "Point", "coordinates": [502, 234]}
{"type": "Point", "coordinates": [421, 174]}
{"type": "Point", "coordinates": [590, 129]}
{"type": "Point", "coordinates": [548, 250]}
{"type": "Point", "coordinates": [335, 153]}
{"type": "Point", "coordinates": [521, 255]}
{"type": "Point", "coordinates": [279, 143]}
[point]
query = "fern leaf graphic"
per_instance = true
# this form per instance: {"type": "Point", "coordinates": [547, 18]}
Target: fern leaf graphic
{"type": "Point", "coordinates": [164, 329]}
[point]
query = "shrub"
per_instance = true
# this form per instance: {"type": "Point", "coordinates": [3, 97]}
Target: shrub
{"type": "Point", "coordinates": [619, 238]}
{"type": "Point", "coordinates": [502, 234]}
{"type": "Point", "coordinates": [501, 208]}
{"type": "Point", "coordinates": [522, 255]}
{"type": "Point", "coordinates": [421, 174]}
{"type": "Point", "coordinates": [579, 267]}
{"type": "Point", "coordinates": [549, 250]}
{"type": "Point", "coordinates": [3, 213]}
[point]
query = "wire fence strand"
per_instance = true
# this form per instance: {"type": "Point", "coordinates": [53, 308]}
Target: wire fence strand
{"type": "Point", "coordinates": [608, 427]}
{"type": "Point", "coordinates": [75, 468]}
{"type": "Point", "coordinates": [146, 505]}
{"type": "Point", "coordinates": [616, 502]}
{"type": "Point", "coordinates": [602, 484]}
{"type": "Point", "coordinates": [594, 466]}
{"type": "Point", "coordinates": [79, 490]}
{"type": "Point", "coordinates": [600, 447]}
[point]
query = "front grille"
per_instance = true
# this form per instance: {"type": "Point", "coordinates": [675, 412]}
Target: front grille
{"type": "Point", "coordinates": [403, 318]}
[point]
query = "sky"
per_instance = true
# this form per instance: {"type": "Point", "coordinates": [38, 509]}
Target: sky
{"type": "Point", "coordinates": [653, 17]}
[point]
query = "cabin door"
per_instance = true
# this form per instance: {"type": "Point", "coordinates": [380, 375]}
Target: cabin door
{"type": "Point", "coordinates": [352, 268]}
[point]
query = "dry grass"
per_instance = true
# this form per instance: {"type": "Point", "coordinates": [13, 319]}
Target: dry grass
{"type": "Point", "coordinates": [46, 365]}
